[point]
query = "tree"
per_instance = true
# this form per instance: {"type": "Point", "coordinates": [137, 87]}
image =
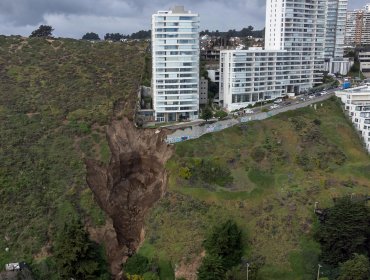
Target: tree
{"type": "Point", "coordinates": [91, 36]}
{"type": "Point", "coordinates": [221, 114]}
{"type": "Point", "coordinates": [75, 255]}
{"type": "Point", "coordinates": [344, 231]}
{"type": "Point", "coordinates": [207, 114]}
{"type": "Point", "coordinates": [358, 268]}
{"type": "Point", "coordinates": [225, 242]}
{"type": "Point", "coordinates": [43, 31]}
{"type": "Point", "coordinates": [115, 37]}
{"type": "Point", "coordinates": [211, 268]}
{"type": "Point", "coordinates": [137, 264]}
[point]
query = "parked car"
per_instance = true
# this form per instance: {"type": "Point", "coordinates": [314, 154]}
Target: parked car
{"type": "Point", "coordinates": [278, 101]}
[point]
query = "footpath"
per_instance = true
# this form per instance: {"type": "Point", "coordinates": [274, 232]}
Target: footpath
{"type": "Point", "coordinates": [194, 130]}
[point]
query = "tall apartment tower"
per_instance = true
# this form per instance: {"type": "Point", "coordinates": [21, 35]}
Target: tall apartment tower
{"type": "Point", "coordinates": [358, 27]}
{"type": "Point", "coordinates": [298, 26]}
{"type": "Point", "coordinates": [175, 53]}
{"type": "Point", "coordinates": [336, 12]}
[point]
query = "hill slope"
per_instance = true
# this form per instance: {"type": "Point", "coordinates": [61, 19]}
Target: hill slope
{"type": "Point", "coordinates": [267, 176]}
{"type": "Point", "coordinates": [56, 98]}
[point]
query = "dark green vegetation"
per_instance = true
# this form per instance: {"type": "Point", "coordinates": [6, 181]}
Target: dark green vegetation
{"type": "Point", "coordinates": [357, 268]}
{"type": "Point", "coordinates": [57, 96]}
{"type": "Point", "coordinates": [244, 32]}
{"type": "Point", "coordinates": [115, 37]}
{"type": "Point", "coordinates": [75, 255]}
{"type": "Point", "coordinates": [224, 250]}
{"type": "Point", "coordinates": [91, 36]}
{"type": "Point", "coordinates": [43, 31]}
{"type": "Point", "coordinates": [138, 265]}
{"type": "Point", "coordinates": [344, 233]}
{"type": "Point", "coordinates": [207, 114]}
{"type": "Point", "coordinates": [278, 168]}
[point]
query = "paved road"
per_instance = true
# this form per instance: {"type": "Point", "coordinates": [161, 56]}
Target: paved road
{"type": "Point", "coordinates": [189, 131]}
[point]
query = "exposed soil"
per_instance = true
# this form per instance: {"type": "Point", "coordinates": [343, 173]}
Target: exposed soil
{"type": "Point", "coordinates": [128, 187]}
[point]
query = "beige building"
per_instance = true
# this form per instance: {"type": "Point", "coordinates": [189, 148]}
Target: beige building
{"type": "Point", "coordinates": [358, 27]}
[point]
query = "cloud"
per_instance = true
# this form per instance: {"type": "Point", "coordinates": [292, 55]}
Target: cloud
{"type": "Point", "coordinates": [72, 18]}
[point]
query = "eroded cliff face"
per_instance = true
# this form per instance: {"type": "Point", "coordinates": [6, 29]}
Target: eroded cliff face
{"type": "Point", "coordinates": [129, 186]}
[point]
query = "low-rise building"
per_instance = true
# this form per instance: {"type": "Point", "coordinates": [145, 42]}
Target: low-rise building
{"type": "Point", "coordinates": [364, 58]}
{"type": "Point", "coordinates": [338, 65]}
{"type": "Point", "coordinates": [357, 103]}
{"type": "Point", "coordinates": [203, 92]}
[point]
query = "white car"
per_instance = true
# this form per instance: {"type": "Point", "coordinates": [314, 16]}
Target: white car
{"type": "Point", "coordinates": [274, 106]}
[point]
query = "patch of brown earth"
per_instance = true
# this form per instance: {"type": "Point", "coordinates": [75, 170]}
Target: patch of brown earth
{"type": "Point", "coordinates": [188, 270]}
{"type": "Point", "coordinates": [128, 187]}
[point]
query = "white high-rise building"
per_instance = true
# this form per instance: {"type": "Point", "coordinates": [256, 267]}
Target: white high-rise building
{"type": "Point", "coordinates": [336, 12]}
{"type": "Point", "coordinates": [298, 26]}
{"type": "Point", "coordinates": [250, 76]}
{"type": "Point", "coordinates": [295, 50]}
{"type": "Point", "coordinates": [175, 53]}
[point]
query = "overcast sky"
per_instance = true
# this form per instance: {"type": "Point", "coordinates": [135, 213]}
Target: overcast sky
{"type": "Point", "coordinates": [73, 18]}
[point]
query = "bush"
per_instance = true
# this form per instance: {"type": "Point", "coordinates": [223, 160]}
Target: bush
{"type": "Point", "coordinates": [136, 265]}
{"type": "Point", "coordinates": [258, 154]}
{"type": "Point", "coordinates": [344, 231]}
{"type": "Point", "coordinates": [211, 268]}
{"type": "Point", "coordinates": [225, 242]}
{"type": "Point", "coordinates": [358, 268]}
{"type": "Point", "coordinates": [221, 115]}
{"type": "Point", "coordinates": [184, 173]}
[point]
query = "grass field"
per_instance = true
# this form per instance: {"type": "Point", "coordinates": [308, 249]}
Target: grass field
{"type": "Point", "coordinates": [279, 167]}
{"type": "Point", "coordinates": [56, 97]}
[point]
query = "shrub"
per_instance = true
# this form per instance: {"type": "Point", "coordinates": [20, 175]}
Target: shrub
{"type": "Point", "coordinates": [358, 268]}
{"type": "Point", "coordinates": [211, 268]}
{"type": "Point", "coordinates": [344, 231]}
{"type": "Point", "coordinates": [225, 242]}
{"type": "Point", "coordinates": [258, 154]}
{"type": "Point", "coordinates": [137, 264]}
{"type": "Point", "coordinates": [221, 115]}
{"type": "Point", "coordinates": [184, 173]}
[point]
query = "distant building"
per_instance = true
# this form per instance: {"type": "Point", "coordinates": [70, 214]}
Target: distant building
{"type": "Point", "coordinates": [214, 75]}
{"type": "Point", "coordinates": [203, 92]}
{"type": "Point", "coordinates": [358, 27]}
{"type": "Point", "coordinates": [357, 103]}
{"type": "Point", "coordinates": [336, 12]}
{"type": "Point", "coordinates": [364, 58]}
{"type": "Point", "coordinates": [339, 65]}
{"type": "Point", "coordinates": [300, 37]}
{"type": "Point", "coordinates": [175, 52]}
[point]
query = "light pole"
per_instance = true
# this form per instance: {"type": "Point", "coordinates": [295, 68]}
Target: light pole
{"type": "Point", "coordinates": [318, 271]}
{"type": "Point", "coordinates": [247, 271]}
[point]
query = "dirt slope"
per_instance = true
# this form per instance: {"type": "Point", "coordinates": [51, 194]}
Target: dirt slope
{"type": "Point", "coordinates": [129, 186]}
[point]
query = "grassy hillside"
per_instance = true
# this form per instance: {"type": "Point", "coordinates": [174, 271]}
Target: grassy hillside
{"type": "Point", "coordinates": [56, 96]}
{"type": "Point", "coordinates": [266, 176]}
